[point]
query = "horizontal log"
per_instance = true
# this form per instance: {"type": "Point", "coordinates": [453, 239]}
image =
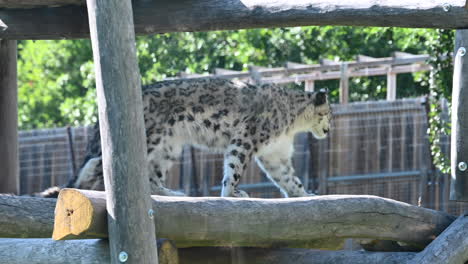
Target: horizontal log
{"type": "Point", "coordinates": [90, 251]}
{"type": "Point", "coordinates": [311, 222]}
{"type": "Point", "coordinates": [213, 255]}
{"type": "Point", "coordinates": [35, 251]}
{"type": "Point", "coordinates": [164, 16]}
{"type": "Point", "coordinates": [26, 217]}
{"type": "Point", "coordinates": [38, 3]}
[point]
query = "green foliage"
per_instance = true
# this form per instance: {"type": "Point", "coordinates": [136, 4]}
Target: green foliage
{"type": "Point", "coordinates": [56, 79]}
{"type": "Point", "coordinates": [51, 87]}
{"type": "Point", "coordinates": [441, 87]}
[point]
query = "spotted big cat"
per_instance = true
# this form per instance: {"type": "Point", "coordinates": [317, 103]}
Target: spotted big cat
{"type": "Point", "coordinates": [244, 122]}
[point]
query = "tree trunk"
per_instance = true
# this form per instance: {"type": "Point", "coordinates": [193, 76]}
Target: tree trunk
{"type": "Point", "coordinates": [26, 217]}
{"type": "Point", "coordinates": [165, 16]}
{"type": "Point", "coordinates": [459, 142]}
{"type": "Point", "coordinates": [9, 161]}
{"type": "Point", "coordinates": [124, 161]}
{"type": "Point", "coordinates": [89, 251]}
{"type": "Point", "coordinates": [313, 222]}
{"type": "Point", "coordinates": [287, 256]}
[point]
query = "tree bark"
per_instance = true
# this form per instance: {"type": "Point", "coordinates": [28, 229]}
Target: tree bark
{"type": "Point", "coordinates": [26, 217]}
{"type": "Point", "coordinates": [181, 16]}
{"type": "Point", "coordinates": [215, 255]}
{"type": "Point", "coordinates": [449, 247]}
{"type": "Point", "coordinates": [131, 230]}
{"type": "Point", "coordinates": [459, 142]}
{"type": "Point", "coordinates": [9, 161]}
{"type": "Point", "coordinates": [314, 222]}
{"type": "Point", "coordinates": [89, 251]}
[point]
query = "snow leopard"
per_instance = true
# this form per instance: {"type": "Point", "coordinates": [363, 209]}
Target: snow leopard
{"type": "Point", "coordinates": [243, 121]}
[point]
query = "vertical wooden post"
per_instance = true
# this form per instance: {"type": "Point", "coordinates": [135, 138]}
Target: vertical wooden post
{"type": "Point", "coordinates": [344, 84]}
{"type": "Point", "coordinates": [131, 229]}
{"type": "Point", "coordinates": [459, 141]}
{"type": "Point", "coordinates": [9, 174]}
{"type": "Point", "coordinates": [391, 85]}
{"type": "Point", "coordinates": [309, 86]}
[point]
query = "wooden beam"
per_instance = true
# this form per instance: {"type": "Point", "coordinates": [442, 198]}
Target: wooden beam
{"type": "Point", "coordinates": [9, 161]}
{"type": "Point", "coordinates": [329, 62]}
{"type": "Point", "coordinates": [90, 251]}
{"type": "Point", "coordinates": [459, 145]}
{"type": "Point", "coordinates": [39, 3]}
{"type": "Point", "coordinates": [314, 222]}
{"type": "Point", "coordinates": [221, 71]}
{"type": "Point", "coordinates": [449, 247]}
{"type": "Point", "coordinates": [364, 58]}
{"type": "Point", "coordinates": [181, 16]}
{"type": "Point", "coordinates": [26, 217]}
{"type": "Point", "coordinates": [216, 255]}
{"type": "Point", "coordinates": [333, 75]}
{"type": "Point", "coordinates": [121, 124]}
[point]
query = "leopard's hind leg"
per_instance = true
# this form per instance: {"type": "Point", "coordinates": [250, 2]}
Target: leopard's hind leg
{"type": "Point", "coordinates": [278, 168]}
{"type": "Point", "coordinates": [236, 158]}
{"type": "Point", "coordinates": [160, 160]}
{"type": "Point", "coordinates": [90, 176]}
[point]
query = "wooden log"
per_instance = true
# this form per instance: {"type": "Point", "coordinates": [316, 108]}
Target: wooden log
{"type": "Point", "coordinates": [119, 98]}
{"type": "Point", "coordinates": [459, 142]}
{"type": "Point", "coordinates": [449, 247]}
{"type": "Point", "coordinates": [26, 217]}
{"type": "Point", "coordinates": [310, 222]}
{"type": "Point", "coordinates": [90, 251]}
{"type": "Point", "coordinates": [215, 255]}
{"type": "Point", "coordinates": [9, 161]}
{"type": "Point", "coordinates": [180, 16]}
{"type": "Point", "coordinates": [39, 3]}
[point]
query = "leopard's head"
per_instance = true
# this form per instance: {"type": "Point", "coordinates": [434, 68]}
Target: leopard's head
{"type": "Point", "coordinates": [319, 114]}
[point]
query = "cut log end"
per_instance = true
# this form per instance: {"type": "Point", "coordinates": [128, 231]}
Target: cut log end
{"type": "Point", "coordinates": [74, 215]}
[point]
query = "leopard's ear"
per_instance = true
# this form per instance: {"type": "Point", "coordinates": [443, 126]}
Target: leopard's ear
{"type": "Point", "coordinates": [321, 97]}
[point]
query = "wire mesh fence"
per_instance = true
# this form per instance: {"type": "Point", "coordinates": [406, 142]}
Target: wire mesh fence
{"type": "Point", "coordinates": [377, 148]}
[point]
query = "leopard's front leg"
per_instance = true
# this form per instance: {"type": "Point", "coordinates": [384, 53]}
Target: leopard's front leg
{"type": "Point", "coordinates": [236, 157]}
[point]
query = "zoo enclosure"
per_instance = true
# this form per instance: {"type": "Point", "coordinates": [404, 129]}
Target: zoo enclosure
{"type": "Point", "coordinates": [378, 148]}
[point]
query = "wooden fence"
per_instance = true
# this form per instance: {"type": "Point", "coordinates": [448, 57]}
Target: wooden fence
{"type": "Point", "coordinates": [377, 148]}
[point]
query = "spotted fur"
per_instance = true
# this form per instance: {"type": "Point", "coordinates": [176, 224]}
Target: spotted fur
{"type": "Point", "coordinates": [242, 121]}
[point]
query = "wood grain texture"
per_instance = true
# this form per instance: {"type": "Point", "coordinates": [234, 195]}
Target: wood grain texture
{"type": "Point", "coordinates": [122, 131]}
{"type": "Point", "coordinates": [449, 247]}
{"type": "Point", "coordinates": [89, 251]}
{"type": "Point", "coordinates": [38, 3]}
{"type": "Point", "coordinates": [459, 140]}
{"type": "Point", "coordinates": [26, 217]}
{"type": "Point", "coordinates": [207, 255]}
{"type": "Point", "coordinates": [313, 222]}
{"type": "Point", "coordinates": [204, 15]}
{"type": "Point", "coordinates": [9, 160]}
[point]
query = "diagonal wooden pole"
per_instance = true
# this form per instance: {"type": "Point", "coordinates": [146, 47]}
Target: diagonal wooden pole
{"type": "Point", "coordinates": [131, 228]}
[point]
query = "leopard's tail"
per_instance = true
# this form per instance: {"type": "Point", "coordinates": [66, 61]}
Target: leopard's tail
{"type": "Point", "coordinates": [88, 172]}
